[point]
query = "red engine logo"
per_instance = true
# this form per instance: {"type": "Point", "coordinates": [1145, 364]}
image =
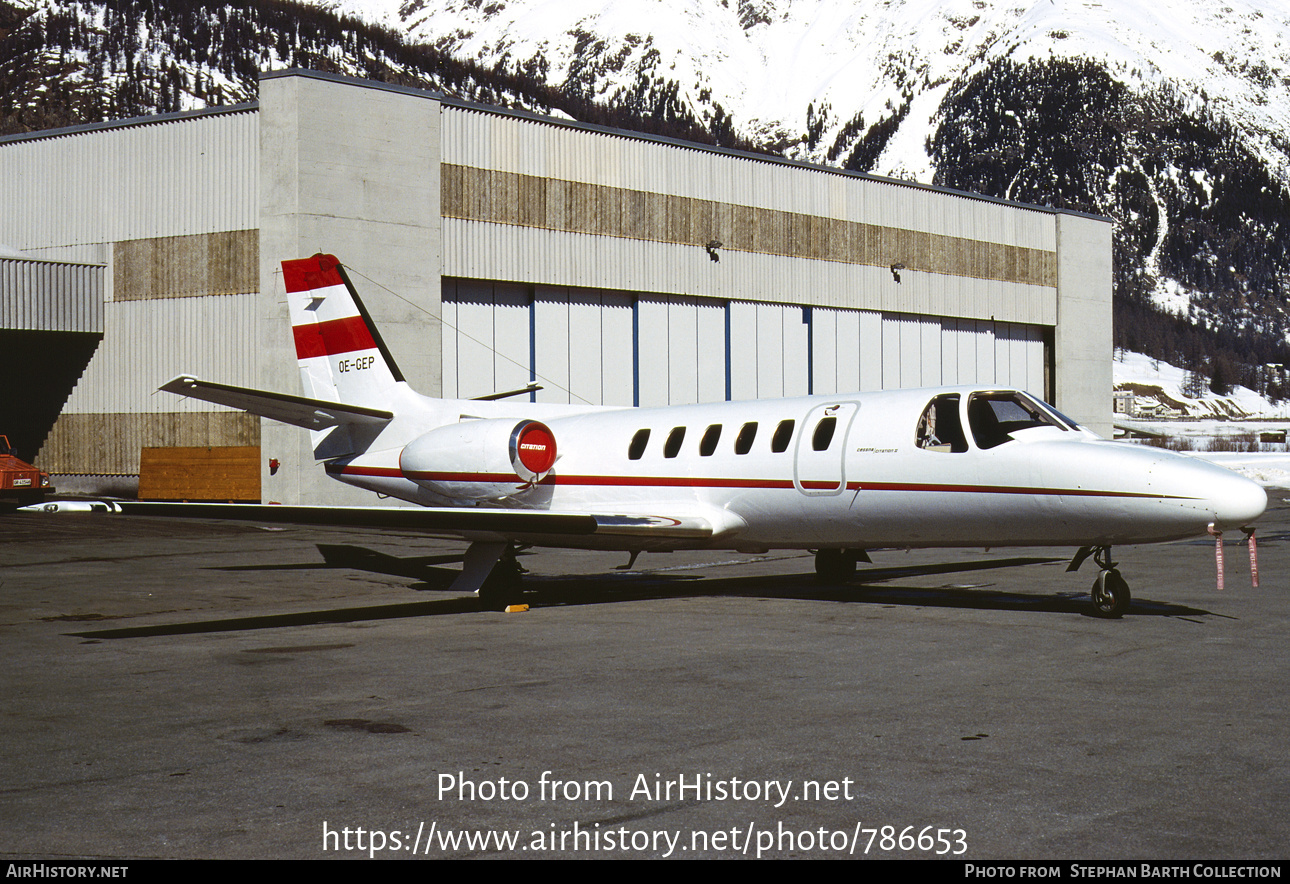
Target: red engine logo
{"type": "Point", "coordinates": [533, 450]}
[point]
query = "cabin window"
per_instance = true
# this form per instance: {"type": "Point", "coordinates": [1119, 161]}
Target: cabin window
{"type": "Point", "coordinates": [708, 444]}
{"type": "Point", "coordinates": [995, 417]}
{"type": "Point", "coordinates": [783, 434]}
{"type": "Point", "coordinates": [672, 447]}
{"type": "Point", "coordinates": [637, 448]}
{"type": "Point", "coordinates": [824, 433]}
{"type": "Point", "coordinates": [744, 441]}
{"type": "Point", "coordinates": [940, 428]}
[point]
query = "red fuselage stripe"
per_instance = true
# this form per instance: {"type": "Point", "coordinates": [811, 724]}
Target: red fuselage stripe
{"type": "Point", "coordinates": [687, 482]}
{"type": "Point", "coordinates": [333, 337]}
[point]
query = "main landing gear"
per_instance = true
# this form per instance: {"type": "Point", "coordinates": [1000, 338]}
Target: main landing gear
{"type": "Point", "coordinates": [493, 573]}
{"type": "Point", "coordinates": [837, 565]}
{"type": "Point", "coordinates": [1111, 596]}
{"type": "Point", "coordinates": [505, 585]}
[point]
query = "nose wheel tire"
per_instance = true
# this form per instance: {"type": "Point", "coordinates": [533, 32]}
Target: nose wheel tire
{"type": "Point", "coordinates": [1111, 597]}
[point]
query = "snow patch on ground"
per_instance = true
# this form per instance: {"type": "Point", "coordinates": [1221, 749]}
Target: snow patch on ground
{"type": "Point", "coordinates": [1269, 469]}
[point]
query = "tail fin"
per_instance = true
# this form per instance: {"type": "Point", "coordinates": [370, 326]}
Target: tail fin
{"type": "Point", "coordinates": [342, 357]}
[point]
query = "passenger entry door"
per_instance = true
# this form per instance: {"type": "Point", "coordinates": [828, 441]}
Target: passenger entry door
{"type": "Point", "coordinates": [819, 460]}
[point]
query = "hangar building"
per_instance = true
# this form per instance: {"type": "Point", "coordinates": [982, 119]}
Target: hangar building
{"type": "Point", "coordinates": [497, 248]}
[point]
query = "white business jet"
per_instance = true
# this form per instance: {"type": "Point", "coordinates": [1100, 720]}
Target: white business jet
{"type": "Point", "coordinates": [943, 467]}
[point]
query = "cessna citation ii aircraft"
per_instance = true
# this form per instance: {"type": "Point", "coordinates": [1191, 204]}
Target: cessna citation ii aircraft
{"type": "Point", "coordinates": [945, 467]}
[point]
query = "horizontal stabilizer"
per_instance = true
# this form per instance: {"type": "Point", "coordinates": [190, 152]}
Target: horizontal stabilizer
{"type": "Point", "coordinates": [312, 414]}
{"type": "Point", "coordinates": [441, 521]}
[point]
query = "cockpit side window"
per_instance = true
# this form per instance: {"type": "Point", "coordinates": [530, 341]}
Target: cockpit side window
{"type": "Point", "coordinates": [940, 428]}
{"type": "Point", "coordinates": [994, 417]}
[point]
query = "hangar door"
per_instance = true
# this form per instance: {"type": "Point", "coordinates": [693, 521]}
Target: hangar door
{"type": "Point", "coordinates": [576, 343]}
{"type": "Point", "coordinates": [862, 350]}
{"type": "Point", "coordinates": [582, 345]}
{"type": "Point", "coordinates": [622, 348]}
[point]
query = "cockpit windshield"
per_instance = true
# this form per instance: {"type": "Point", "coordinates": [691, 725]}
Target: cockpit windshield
{"type": "Point", "coordinates": [995, 416]}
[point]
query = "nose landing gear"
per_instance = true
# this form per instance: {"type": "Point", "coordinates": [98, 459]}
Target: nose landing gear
{"type": "Point", "coordinates": [1111, 596]}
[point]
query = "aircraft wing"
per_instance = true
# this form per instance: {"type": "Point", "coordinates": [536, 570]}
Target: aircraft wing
{"type": "Point", "coordinates": [439, 521]}
{"type": "Point", "coordinates": [312, 414]}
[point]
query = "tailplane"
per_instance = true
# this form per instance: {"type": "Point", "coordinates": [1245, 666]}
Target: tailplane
{"type": "Point", "coordinates": [341, 355]}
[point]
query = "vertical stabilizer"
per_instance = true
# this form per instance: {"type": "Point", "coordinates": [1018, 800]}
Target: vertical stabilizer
{"type": "Point", "coordinates": [342, 357]}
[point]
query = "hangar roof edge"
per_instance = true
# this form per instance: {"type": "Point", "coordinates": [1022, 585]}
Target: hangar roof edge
{"type": "Point", "coordinates": [246, 107]}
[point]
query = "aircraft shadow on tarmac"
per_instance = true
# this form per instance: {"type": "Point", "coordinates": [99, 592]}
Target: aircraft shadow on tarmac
{"type": "Point", "coordinates": [630, 586]}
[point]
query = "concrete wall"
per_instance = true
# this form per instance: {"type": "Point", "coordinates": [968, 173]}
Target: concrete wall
{"type": "Point", "coordinates": [353, 172]}
{"type": "Point", "coordinates": [1082, 340]}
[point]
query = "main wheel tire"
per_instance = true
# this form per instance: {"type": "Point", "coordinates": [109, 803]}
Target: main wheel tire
{"type": "Point", "coordinates": [835, 565]}
{"type": "Point", "coordinates": [1111, 597]}
{"type": "Point", "coordinates": [504, 586]}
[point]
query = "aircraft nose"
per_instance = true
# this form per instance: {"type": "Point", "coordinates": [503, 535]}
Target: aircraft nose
{"type": "Point", "coordinates": [1235, 500]}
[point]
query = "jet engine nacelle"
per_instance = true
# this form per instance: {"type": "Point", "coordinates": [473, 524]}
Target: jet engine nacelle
{"type": "Point", "coordinates": [481, 459]}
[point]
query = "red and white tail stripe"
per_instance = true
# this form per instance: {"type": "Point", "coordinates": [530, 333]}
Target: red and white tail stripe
{"type": "Point", "coordinates": [340, 353]}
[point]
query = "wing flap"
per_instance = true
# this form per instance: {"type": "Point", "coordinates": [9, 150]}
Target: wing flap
{"type": "Point", "coordinates": [312, 414]}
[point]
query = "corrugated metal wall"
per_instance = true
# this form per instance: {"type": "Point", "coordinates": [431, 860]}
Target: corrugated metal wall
{"type": "Point", "coordinates": [169, 178]}
{"type": "Point", "coordinates": [172, 206]}
{"type": "Point", "coordinates": [110, 444]}
{"type": "Point", "coordinates": [769, 350]}
{"type": "Point", "coordinates": [576, 218]}
{"type": "Point", "coordinates": [576, 207]}
{"type": "Point", "coordinates": [482, 140]}
{"type": "Point", "coordinates": [681, 350]}
{"type": "Point", "coordinates": [529, 201]}
{"type": "Point", "coordinates": [226, 263]}
{"type": "Point", "coordinates": [598, 241]}
{"type": "Point", "coordinates": [576, 343]}
{"type": "Point", "coordinates": [45, 296]}
{"type": "Point", "coordinates": [480, 250]}
{"type": "Point", "coordinates": [116, 409]}
{"type": "Point", "coordinates": [214, 337]}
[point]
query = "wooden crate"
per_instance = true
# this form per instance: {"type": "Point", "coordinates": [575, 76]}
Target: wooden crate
{"type": "Point", "coordinates": [212, 474]}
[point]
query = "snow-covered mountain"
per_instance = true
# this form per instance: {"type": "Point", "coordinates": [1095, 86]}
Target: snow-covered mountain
{"type": "Point", "coordinates": [790, 69]}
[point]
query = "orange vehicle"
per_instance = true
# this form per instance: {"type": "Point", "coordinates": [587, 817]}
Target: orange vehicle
{"type": "Point", "coordinates": [20, 482]}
